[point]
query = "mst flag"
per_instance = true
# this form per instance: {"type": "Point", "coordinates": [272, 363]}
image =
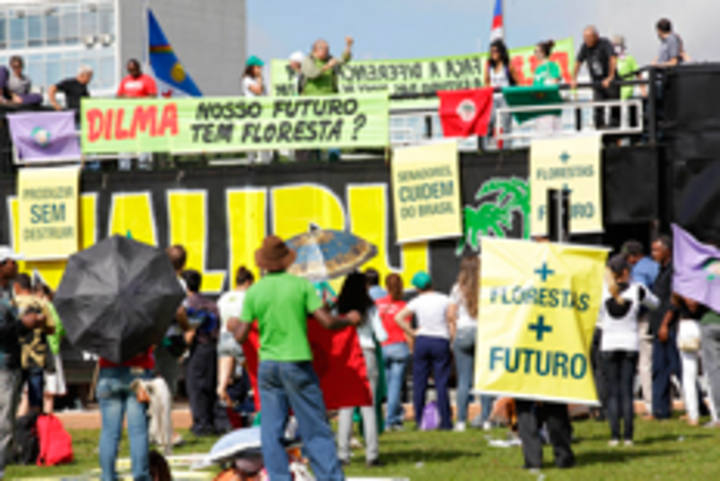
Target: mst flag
{"type": "Point", "coordinates": [338, 361]}
{"type": "Point", "coordinates": [465, 112]}
{"type": "Point", "coordinates": [696, 269]}
{"type": "Point", "coordinates": [168, 70]}
{"type": "Point", "coordinates": [45, 136]}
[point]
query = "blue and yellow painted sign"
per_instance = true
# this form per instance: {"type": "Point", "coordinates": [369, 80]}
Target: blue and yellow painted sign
{"type": "Point", "coordinates": [538, 307]}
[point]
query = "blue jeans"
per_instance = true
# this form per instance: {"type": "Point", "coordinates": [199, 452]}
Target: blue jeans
{"type": "Point", "coordinates": [396, 358]}
{"type": "Point", "coordinates": [432, 354]}
{"type": "Point", "coordinates": [665, 362]}
{"type": "Point", "coordinates": [286, 385]}
{"type": "Point", "coordinates": [115, 398]}
{"type": "Point", "coordinates": [35, 379]}
{"type": "Point", "coordinates": [464, 350]}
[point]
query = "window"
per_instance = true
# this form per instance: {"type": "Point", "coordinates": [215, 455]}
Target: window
{"type": "Point", "coordinates": [106, 72]}
{"type": "Point", "coordinates": [3, 31]}
{"type": "Point", "coordinates": [89, 21]}
{"type": "Point", "coordinates": [70, 25]}
{"type": "Point", "coordinates": [70, 64]}
{"type": "Point", "coordinates": [107, 20]}
{"type": "Point", "coordinates": [53, 70]}
{"type": "Point", "coordinates": [52, 27]}
{"type": "Point", "coordinates": [36, 69]}
{"type": "Point", "coordinates": [35, 30]}
{"type": "Point", "coordinates": [18, 24]}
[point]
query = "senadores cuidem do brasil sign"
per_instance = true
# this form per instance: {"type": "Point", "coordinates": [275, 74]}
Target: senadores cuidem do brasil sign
{"type": "Point", "coordinates": [538, 308]}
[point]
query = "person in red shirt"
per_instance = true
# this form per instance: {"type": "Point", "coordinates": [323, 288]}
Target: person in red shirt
{"type": "Point", "coordinates": [116, 397]}
{"type": "Point", "coordinates": [136, 85]}
{"type": "Point", "coordinates": [396, 351]}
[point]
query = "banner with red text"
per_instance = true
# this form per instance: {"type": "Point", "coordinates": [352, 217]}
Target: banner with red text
{"type": "Point", "coordinates": [214, 124]}
{"type": "Point", "coordinates": [422, 75]}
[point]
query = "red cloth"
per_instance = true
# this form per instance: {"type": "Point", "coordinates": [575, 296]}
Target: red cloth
{"type": "Point", "coordinates": [388, 309]}
{"type": "Point", "coordinates": [338, 362]}
{"type": "Point", "coordinates": [465, 112]}
{"type": "Point", "coordinates": [143, 86]}
{"type": "Point", "coordinates": [145, 360]}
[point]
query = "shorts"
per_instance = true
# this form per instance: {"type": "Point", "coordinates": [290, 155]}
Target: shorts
{"type": "Point", "coordinates": [228, 346]}
{"type": "Point", "coordinates": [55, 382]}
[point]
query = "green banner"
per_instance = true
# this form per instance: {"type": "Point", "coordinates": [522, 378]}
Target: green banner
{"type": "Point", "coordinates": [216, 124]}
{"type": "Point", "coordinates": [425, 74]}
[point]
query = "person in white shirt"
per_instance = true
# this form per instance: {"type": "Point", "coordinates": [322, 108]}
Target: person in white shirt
{"type": "Point", "coordinates": [464, 312]}
{"type": "Point", "coordinates": [230, 307]}
{"type": "Point", "coordinates": [354, 296]}
{"type": "Point", "coordinates": [622, 301]}
{"type": "Point", "coordinates": [434, 331]}
{"type": "Point", "coordinates": [252, 85]}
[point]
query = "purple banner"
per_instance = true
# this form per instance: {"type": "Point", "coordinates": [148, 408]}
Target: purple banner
{"type": "Point", "coordinates": [44, 136]}
{"type": "Point", "coordinates": [696, 269]}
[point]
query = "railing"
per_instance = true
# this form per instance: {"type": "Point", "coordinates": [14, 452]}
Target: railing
{"type": "Point", "coordinates": [584, 113]}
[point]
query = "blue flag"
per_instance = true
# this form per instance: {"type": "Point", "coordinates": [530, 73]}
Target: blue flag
{"type": "Point", "coordinates": [168, 69]}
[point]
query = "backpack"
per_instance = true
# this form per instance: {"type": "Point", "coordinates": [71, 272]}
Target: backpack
{"type": "Point", "coordinates": [26, 448]}
{"type": "Point", "coordinates": [430, 417]}
{"type": "Point", "coordinates": [55, 441]}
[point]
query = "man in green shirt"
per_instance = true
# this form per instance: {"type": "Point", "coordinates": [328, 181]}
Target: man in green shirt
{"type": "Point", "coordinates": [320, 69]}
{"type": "Point", "coordinates": [281, 303]}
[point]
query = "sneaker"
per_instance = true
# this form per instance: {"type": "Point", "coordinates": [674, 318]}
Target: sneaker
{"type": "Point", "coordinates": [629, 443]}
{"type": "Point", "coordinates": [487, 426]}
{"type": "Point", "coordinates": [613, 443]}
{"type": "Point", "coordinates": [374, 463]}
{"type": "Point", "coordinates": [460, 427]}
{"type": "Point", "coordinates": [712, 424]}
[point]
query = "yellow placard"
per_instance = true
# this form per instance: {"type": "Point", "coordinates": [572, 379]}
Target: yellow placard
{"type": "Point", "coordinates": [426, 192]}
{"type": "Point", "coordinates": [48, 212]}
{"type": "Point", "coordinates": [539, 304]}
{"type": "Point", "coordinates": [571, 163]}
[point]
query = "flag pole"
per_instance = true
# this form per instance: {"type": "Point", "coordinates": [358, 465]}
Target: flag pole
{"type": "Point", "coordinates": [146, 35]}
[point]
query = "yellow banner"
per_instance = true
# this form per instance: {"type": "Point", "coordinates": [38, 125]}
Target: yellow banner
{"type": "Point", "coordinates": [567, 163]}
{"type": "Point", "coordinates": [538, 308]}
{"type": "Point", "coordinates": [426, 192]}
{"type": "Point", "coordinates": [48, 212]}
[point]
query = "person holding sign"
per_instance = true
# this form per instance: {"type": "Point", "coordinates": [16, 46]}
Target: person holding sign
{"type": "Point", "coordinates": [500, 73]}
{"type": "Point", "coordinates": [619, 312]}
{"type": "Point", "coordinates": [432, 345]}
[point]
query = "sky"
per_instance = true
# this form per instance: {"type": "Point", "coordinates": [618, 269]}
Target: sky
{"type": "Point", "coordinates": [426, 28]}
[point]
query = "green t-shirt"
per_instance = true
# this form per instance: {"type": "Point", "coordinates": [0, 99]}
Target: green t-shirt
{"type": "Point", "coordinates": [546, 72]}
{"type": "Point", "coordinates": [323, 84]}
{"type": "Point", "coordinates": [281, 303]}
{"type": "Point", "coordinates": [625, 65]}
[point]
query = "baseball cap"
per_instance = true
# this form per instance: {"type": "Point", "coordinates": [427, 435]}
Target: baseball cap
{"type": "Point", "coordinates": [6, 253]}
{"type": "Point", "coordinates": [421, 280]}
{"type": "Point", "coordinates": [254, 61]}
{"type": "Point", "coordinates": [296, 56]}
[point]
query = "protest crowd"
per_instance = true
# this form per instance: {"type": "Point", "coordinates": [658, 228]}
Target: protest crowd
{"type": "Point", "coordinates": [252, 346]}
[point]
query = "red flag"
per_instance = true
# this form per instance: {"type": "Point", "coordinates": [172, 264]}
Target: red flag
{"type": "Point", "coordinates": [338, 361]}
{"type": "Point", "coordinates": [465, 112]}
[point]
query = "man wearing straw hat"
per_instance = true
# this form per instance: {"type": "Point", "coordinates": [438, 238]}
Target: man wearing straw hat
{"type": "Point", "coordinates": [281, 303]}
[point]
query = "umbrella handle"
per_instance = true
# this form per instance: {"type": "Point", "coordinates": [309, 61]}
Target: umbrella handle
{"type": "Point", "coordinates": [93, 383]}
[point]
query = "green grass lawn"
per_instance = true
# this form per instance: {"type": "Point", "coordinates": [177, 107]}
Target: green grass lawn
{"type": "Point", "coordinates": [663, 450]}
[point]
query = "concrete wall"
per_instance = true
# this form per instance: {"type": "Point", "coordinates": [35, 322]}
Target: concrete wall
{"type": "Point", "coordinates": [208, 36]}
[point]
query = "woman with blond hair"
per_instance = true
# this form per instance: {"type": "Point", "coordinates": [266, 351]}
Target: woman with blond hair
{"type": "Point", "coordinates": [464, 299]}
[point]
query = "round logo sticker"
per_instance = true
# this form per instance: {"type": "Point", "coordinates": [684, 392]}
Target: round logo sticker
{"type": "Point", "coordinates": [466, 110]}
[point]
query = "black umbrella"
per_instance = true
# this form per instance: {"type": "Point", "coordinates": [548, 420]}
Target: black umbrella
{"type": "Point", "coordinates": [118, 297]}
